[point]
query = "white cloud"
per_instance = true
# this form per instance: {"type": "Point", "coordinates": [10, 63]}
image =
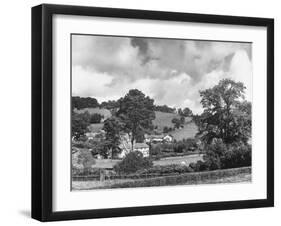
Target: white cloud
{"type": "Point", "coordinates": [170, 71]}
{"type": "Point", "coordinates": [241, 70]}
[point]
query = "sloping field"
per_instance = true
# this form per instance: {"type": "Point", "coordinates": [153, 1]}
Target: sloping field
{"type": "Point", "coordinates": [163, 119]}
{"type": "Point", "coordinates": [102, 111]}
{"type": "Point", "coordinates": [95, 127]}
{"type": "Point", "coordinates": [189, 131]}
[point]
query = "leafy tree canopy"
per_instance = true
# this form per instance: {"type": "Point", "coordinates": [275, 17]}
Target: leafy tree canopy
{"type": "Point", "coordinates": [84, 102]}
{"type": "Point", "coordinates": [136, 112]}
{"type": "Point", "coordinates": [186, 112]}
{"type": "Point", "coordinates": [79, 124]}
{"type": "Point", "coordinates": [112, 127]}
{"type": "Point", "coordinates": [226, 115]}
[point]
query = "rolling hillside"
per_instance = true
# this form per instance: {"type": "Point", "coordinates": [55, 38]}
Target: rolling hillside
{"type": "Point", "coordinates": [161, 120]}
{"type": "Point", "coordinates": [102, 111]}
{"type": "Point", "coordinates": [189, 131]}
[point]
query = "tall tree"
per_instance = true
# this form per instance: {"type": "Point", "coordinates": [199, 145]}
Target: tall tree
{"type": "Point", "coordinates": [136, 111]}
{"type": "Point", "coordinates": [79, 124]}
{"type": "Point", "coordinates": [112, 127]}
{"type": "Point", "coordinates": [187, 112]}
{"type": "Point", "coordinates": [226, 115]}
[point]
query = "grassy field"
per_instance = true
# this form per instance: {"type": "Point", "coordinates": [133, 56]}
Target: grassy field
{"type": "Point", "coordinates": [186, 160]}
{"type": "Point", "coordinates": [189, 131]}
{"type": "Point", "coordinates": [163, 119]}
{"type": "Point", "coordinates": [96, 127]}
{"type": "Point", "coordinates": [102, 111]}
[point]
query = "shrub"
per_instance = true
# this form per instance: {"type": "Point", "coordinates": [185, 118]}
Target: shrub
{"type": "Point", "coordinates": [167, 129]}
{"type": "Point", "coordinates": [222, 156]}
{"type": "Point", "coordinates": [214, 153]}
{"type": "Point", "coordinates": [167, 169]}
{"type": "Point", "coordinates": [155, 150]}
{"type": "Point", "coordinates": [193, 166]}
{"type": "Point", "coordinates": [240, 155]}
{"type": "Point", "coordinates": [132, 162]}
{"type": "Point", "coordinates": [96, 118]}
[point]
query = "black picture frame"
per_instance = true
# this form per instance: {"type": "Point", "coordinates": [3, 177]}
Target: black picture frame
{"type": "Point", "coordinates": [42, 107]}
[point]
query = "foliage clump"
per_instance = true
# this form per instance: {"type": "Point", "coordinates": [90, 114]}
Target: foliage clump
{"type": "Point", "coordinates": [133, 162]}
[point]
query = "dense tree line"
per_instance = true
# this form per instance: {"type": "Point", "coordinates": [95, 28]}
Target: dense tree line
{"type": "Point", "coordinates": [84, 102]}
{"type": "Point", "coordinates": [164, 108]}
{"type": "Point", "coordinates": [186, 112]}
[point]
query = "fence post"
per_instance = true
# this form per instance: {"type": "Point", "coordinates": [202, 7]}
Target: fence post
{"type": "Point", "coordinates": [102, 175]}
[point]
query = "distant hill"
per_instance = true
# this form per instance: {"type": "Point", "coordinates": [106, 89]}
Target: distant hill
{"type": "Point", "coordinates": [84, 102]}
{"type": "Point", "coordinates": [102, 111]}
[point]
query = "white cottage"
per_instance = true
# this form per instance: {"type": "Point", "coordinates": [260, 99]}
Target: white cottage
{"type": "Point", "coordinates": [126, 147]}
{"type": "Point", "coordinates": [143, 148]}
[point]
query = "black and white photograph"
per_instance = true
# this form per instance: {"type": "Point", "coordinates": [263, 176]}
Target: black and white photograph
{"type": "Point", "coordinates": [149, 111]}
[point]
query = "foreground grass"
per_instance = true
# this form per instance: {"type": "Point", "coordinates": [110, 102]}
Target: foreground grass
{"type": "Point", "coordinates": [241, 178]}
{"type": "Point", "coordinates": [237, 175]}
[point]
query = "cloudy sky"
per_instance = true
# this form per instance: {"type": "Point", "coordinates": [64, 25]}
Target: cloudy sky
{"type": "Point", "coordinates": [170, 71]}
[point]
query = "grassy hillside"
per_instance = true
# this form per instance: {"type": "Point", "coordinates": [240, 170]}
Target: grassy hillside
{"type": "Point", "coordinates": [189, 131]}
{"type": "Point", "coordinates": [96, 127]}
{"type": "Point", "coordinates": [163, 119]}
{"type": "Point", "coordinates": [102, 111]}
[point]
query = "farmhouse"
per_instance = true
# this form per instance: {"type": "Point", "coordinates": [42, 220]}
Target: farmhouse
{"type": "Point", "coordinates": [168, 138]}
{"type": "Point", "coordinates": [126, 147]}
{"type": "Point", "coordinates": [158, 138]}
{"type": "Point", "coordinates": [143, 148]}
{"type": "Point", "coordinates": [91, 135]}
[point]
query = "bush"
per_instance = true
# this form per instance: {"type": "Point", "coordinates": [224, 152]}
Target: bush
{"type": "Point", "coordinates": [221, 156]}
{"type": "Point", "coordinates": [238, 156]}
{"type": "Point", "coordinates": [155, 151]}
{"type": "Point", "coordinates": [214, 153]}
{"type": "Point", "coordinates": [167, 129]}
{"type": "Point", "coordinates": [132, 162]}
{"type": "Point", "coordinates": [167, 169]}
{"type": "Point", "coordinates": [185, 145]}
{"type": "Point", "coordinates": [96, 118]}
